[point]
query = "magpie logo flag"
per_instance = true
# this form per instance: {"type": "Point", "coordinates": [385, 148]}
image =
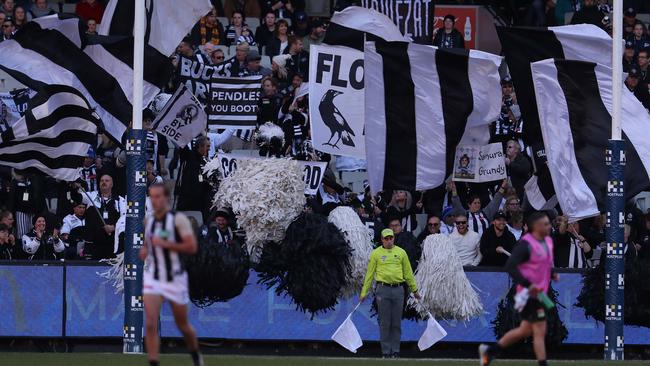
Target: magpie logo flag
{"type": "Point", "coordinates": [575, 102]}
{"type": "Point", "coordinates": [54, 135]}
{"type": "Point", "coordinates": [182, 119]}
{"type": "Point", "coordinates": [419, 101]}
{"type": "Point", "coordinates": [522, 46]}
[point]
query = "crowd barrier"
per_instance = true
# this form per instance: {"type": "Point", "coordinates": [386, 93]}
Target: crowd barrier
{"type": "Point", "coordinates": [71, 300]}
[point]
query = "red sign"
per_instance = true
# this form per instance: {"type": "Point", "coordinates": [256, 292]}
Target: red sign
{"type": "Point", "coordinates": [466, 21]}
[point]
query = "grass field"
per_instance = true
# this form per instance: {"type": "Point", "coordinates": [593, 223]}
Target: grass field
{"type": "Point", "coordinates": [111, 359]}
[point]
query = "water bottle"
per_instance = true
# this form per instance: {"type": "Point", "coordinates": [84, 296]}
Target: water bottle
{"type": "Point", "coordinates": [468, 30]}
{"type": "Point", "coordinates": [545, 300]}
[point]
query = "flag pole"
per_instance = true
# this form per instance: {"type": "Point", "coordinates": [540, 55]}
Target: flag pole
{"type": "Point", "coordinates": [615, 205]}
{"type": "Point", "coordinates": [136, 191]}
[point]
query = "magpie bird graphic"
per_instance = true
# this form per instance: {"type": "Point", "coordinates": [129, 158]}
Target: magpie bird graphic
{"type": "Point", "coordinates": [335, 121]}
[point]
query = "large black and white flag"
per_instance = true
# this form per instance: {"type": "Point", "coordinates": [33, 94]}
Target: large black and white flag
{"type": "Point", "coordinates": [233, 102]}
{"type": "Point", "coordinates": [54, 135]}
{"type": "Point", "coordinates": [167, 21]}
{"type": "Point", "coordinates": [521, 47]}
{"type": "Point", "coordinates": [352, 26]}
{"type": "Point", "coordinates": [575, 103]}
{"type": "Point", "coordinates": [414, 18]}
{"type": "Point", "coordinates": [418, 103]}
{"type": "Point", "coordinates": [55, 50]}
{"type": "Point", "coordinates": [14, 104]}
{"type": "Point", "coordinates": [182, 119]}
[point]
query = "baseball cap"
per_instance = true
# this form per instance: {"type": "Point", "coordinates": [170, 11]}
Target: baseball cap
{"type": "Point", "coordinates": [634, 73]}
{"type": "Point", "coordinates": [499, 215]}
{"type": "Point", "coordinates": [386, 233]}
{"type": "Point", "coordinates": [630, 12]}
{"type": "Point", "coordinates": [629, 44]}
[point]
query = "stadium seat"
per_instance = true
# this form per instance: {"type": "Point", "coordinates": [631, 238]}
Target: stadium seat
{"type": "Point", "coordinates": [69, 8]}
{"type": "Point", "coordinates": [253, 23]}
{"type": "Point", "coordinates": [225, 49]}
{"type": "Point", "coordinates": [224, 21]}
{"type": "Point", "coordinates": [266, 61]}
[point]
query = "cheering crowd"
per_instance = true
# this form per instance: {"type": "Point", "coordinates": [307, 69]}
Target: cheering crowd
{"type": "Point", "coordinates": [43, 219]}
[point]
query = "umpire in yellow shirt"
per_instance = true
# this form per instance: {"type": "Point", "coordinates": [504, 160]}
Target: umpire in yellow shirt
{"type": "Point", "coordinates": [389, 266]}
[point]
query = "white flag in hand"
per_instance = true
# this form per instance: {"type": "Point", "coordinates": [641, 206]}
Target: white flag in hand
{"type": "Point", "coordinates": [432, 334]}
{"type": "Point", "coordinates": [348, 336]}
{"type": "Point", "coordinates": [182, 118]}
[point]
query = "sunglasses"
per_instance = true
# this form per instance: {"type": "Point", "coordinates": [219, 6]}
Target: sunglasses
{"type": "Point", "coordinates": [461, 222]}
{"type": "Point", "coordinates": [434, 224]}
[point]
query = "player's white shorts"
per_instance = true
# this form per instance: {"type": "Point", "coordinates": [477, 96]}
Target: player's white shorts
{"type": "Point", "coordinates": [175, 291]}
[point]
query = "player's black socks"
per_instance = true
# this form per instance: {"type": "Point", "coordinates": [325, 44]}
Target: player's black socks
{"type": "Point", "coordinates": [542, 363]}
{"type": "Point", "coordinates": [153, 363]}
{"type": "Point", "coordinates": [494, 350]}
{"type": "Point", "coordinates": [196, 358]}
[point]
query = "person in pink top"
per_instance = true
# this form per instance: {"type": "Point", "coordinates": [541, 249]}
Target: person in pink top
{"type": "Point", "coordinates": [531, 268]}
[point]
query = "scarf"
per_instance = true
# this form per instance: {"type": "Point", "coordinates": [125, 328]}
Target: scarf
{"type": "Point", "coordinates": [215, 37]}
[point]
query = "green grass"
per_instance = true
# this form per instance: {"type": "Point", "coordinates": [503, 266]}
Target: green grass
{"type": "Point", "coordinates": [112, 359]}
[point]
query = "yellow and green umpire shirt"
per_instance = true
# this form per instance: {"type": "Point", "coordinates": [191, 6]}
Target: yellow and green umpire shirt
{"type": "Point", "coordinates": [389, 266]}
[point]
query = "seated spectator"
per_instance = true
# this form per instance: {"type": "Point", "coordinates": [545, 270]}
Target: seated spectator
{"type": "Point", "coordinates": [7, 6]}
{"type": "Point", "coordinates": [8, 29]}
{"type": "Point", "coordinates": [6, 243]}
{"type": "Point", "coordinates": [329, 195]}
{"type": "Point", "coordinates": [89, 171]}
{"type": "Point", "coordinates": [153, 176]}
{"type": "Point", "coordinates": [589, 14]}
{"type": "Point", "coordinates": [269, 103]}
{"type": "Point", "coordinates": [239, 61]}
{"type": "Point", "coordinates": [629, 20]}
{"type": "Point", "coordinates": [254, 65]}
{"type": "Point", "coordinates": [104, 209]}
{"type": "Point", "coordinates": [91, 27]}
{"type": "Point", "coordinates": [248, 8]}
{"type": "Point", "coordinates": [208, 30]}
{"type": "Point", "coordinates": [643, 58]}
{"type": "Point", "coordinates": [479, 217]}
{"type": "Point", "coordinates": [518, 167]}
{"type": "Point", "coordinates": [234, 29]}
{"type": "Point", "coordinates": [466, 242]}
{"type": "Point", "coordinates": [629, 61]}
{"type": "Point", "coordinates": [640, 90]}
{"type": "Point", "coordinates": [516, 224]}
{"type": "Point", "coordinates": [315, 36]}
{"type": "Point", "coordinates": [300, 24]}
{"type": "Point", "coordinates": [570, 249]}
{"type": "Point", "coordinates": [217, 56]}
{"type": "Point", "coordinates": [90, 9]}
{"type": "Point", "coordinates": [403, 208]}
{"type": "Point", "coordinates": [497, 242]}
{"type": "Point", "coordinates": [21, 17]}
{"type": "Point", "coordinates": [73, 231]}
{"type": "Point", "coordinates": [219, 230]}
{"type": "Point", "coordinates": [448, 220]}
{"type": "Point", "coordinates": [280, 72]}
{"type": "Point", "coordinates": [40, 245]}
{"type": "Point", "coordinates": [448, 36]}
{"type": "Point", "coordinates": [405, 240]}
{"type": "Point", "coordinates": [41, 8]}
{"type": "Point", "coordinates": [265, 31]}
{"type": "Point", "coordinates": [639, 37]}
{"type": "Point", "coordinates": [299, 61]}
{"type": "Point", "coordinates": [433, 227]}
{"type": "Point", "coordinates": [280, 40]}
{"type": "Point", "coordinates": [246, 37]}
{"type": "Point", "coordinates": [192, 186]}
{"type": "Point", "coordinates": [7, 219]}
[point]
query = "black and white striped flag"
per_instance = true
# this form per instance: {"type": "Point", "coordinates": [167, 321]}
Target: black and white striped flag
{"type": "Point", "coordinates": [54, 136]}
{"type": "Point", "coordinates": [55, 50]}
{"type": "Point", "coordinates": [418, 103]}
{"type": "Point", "coordinates": [574, 101]}
{"type": "Point", "coordinates": [521, 46]}
{"type": "Point", "coordinates": [352, 26]}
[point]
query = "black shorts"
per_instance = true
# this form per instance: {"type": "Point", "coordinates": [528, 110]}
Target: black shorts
{"type": "Point", "coordinates": [533, 311]}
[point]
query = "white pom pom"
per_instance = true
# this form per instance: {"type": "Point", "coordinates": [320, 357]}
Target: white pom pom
{"type": "Point", "coordinates": [115, 274]}
{"type": "Point", "coordinates": [356, 235]}
{"type": "Point", "coordinates": [442, 283]}
{"type": "Point", "coordinates": [266, 195]}
{"type": "Point", "coordinates": [269, 130]}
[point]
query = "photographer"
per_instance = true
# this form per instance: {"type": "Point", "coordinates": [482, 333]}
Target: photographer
{"type": "Point", "coordinates": [40, 245]}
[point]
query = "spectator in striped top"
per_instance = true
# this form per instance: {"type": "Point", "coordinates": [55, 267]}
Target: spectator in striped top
{"type": "Point", "coordinates": [508, 124]}
{"type": "Point", "coordinates": [403, 208]}
{"type": "Point", "coordinates": [235, 28]}
{"type": "Point", "coordinates": [246, 36]}
{"type": "Point", "coordinates": [571, 249]}
{"type": "Point", "coordinates": [26, 199]}
{"type": "Point", "coordinates": [89, 171]}
{"type": "Point", "coordinates": [299, 61]}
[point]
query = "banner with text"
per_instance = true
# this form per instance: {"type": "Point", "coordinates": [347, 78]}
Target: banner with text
{"type": "Point", "coordinates": [197, 75]}
{"type": "Point", "coordinates": [414, 18]}
{"type": "Point", "coordinates": [182, 118]}
{"type": "Point", "coordinates": [336, 95]}
{"type": "Point", "coordinates": [233, 102]}
{"type": "Point", "coordinates": [479, 163]}
{"type": "Point", "coordinates": [313, 171]}
{"type": "Point", "coordinates": [13, 104]}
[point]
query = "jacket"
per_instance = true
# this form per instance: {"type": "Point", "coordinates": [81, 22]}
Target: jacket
{"type": "Point", "coordinates": [451, 40]}
{"type": "Point", "coordinates": [489, 243]}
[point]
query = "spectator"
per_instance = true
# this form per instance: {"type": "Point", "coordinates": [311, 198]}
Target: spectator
{"type": "Point", "coordinates": [280, 72]}
{"type": "Point", "coordinates": [639, 37]}
{"type": "Point", "coordinates": [26, 199]}
{"type": "Point", "coordinates": [208, 30]}
{"type": "Point", "coordinates": [3, 17]}
{"type": "Point", "coordinates": [497, 242]}
{"type": "Point", "coordinates": [315, 36]}
{"type": "Point", "coordinates": [518, 166]}
{"type": "Point", "coordinates": [642, 61]}
{"type": "Point", "coordinates": [640, 90]}
{"type": "Point", "coordinates": [403, 208]}
{"type": "Point", "coordinates": [192, 186]}
{"type": "Point", "coordinates": [509, 121]}
{"type": "Point", "coordinates": [40, 245]}
{"type": "Point", "coordinates": [329, 195]}
{"type": "Point", "coordinates": [629, 60]}
{"type": "Point", "coordinates": [7, 7]}
{"type": "Point", "coordinates": [478, 217]}
{"type": "Point", "coordinates": [516, 224]}
{"type": "Point", "coordinates": [40, 9]}
{"type": "Point", "coordinates": [8, 29]}
{"type": "Point", "coordinates": [20, 17]}
{"type": "Point", "coordinates": [254, 65]}
{"type": "Point", "coordinates": [248, 8]}
{"type": "Point", "coordinates": [217, 56]}
{"type": "Point", "coordinates": [512, 206]}
{"type": "Point", "coordinates": [264, 32]}
{"type": "Point", "coordinates": [629, 20]}
{"type": "Point", "coordinates": [91, 27]}
{"type": "Point", "coordinates": [234, 29]}
{"type": "Point", "coordinates": [467, 242]}
{"type": "Point", "coordinates": [239, 61]}
{"type": "Point", "coordinates": [153, 176]}
{"type": "Point", "coordinates": [299, 61]}
{"type": "Point", "coordinates": [219, 230]}
{"type": "Point", "coordinates": [300, 24]}
{"type": "Point", "coordinates": [282, 8]}
{"type": "Point", "coordinates": [280, 40]}
{"type": "Point", "coordinates": [89, 171]}
{"type": "Point", "coordinates": [156, 147]}
{"type": "Point", "coordinates": [104, 210]}
{"type": "Point", "coordinates": [7, 219]}
{"type": "Point", "coordinates": [449, 37]}
{"type": "Point", "coordinates": [90, 9]}
{"type": "Point", "coordinates": [246, 37]}
{"type": "Point", "coordinates": [73, 231]}
{"type": "Point", "coordinates": [6, 244]}
{"type": "Point", "coordinates": [433, 227]}
{"type": "Point", "coordinates": [570, 249]}
{"type": "Point", "coordinates": [589, 14]}
{"type": "Point", "coordinates": [448, 219]}
{"type": "Point", "coordinates": [405, 240]}
{"type": "Point", "coordinates": [269, 102]}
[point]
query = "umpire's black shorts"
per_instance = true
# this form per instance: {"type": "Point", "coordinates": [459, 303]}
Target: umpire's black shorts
{"type": "Point", "coordinates": [533, 311]}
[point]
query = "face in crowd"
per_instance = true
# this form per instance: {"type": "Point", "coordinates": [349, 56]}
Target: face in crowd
{"type": "Point", "coordinates": [433, 225]}
{"type": "Point", "coordinates": [461, 224]}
